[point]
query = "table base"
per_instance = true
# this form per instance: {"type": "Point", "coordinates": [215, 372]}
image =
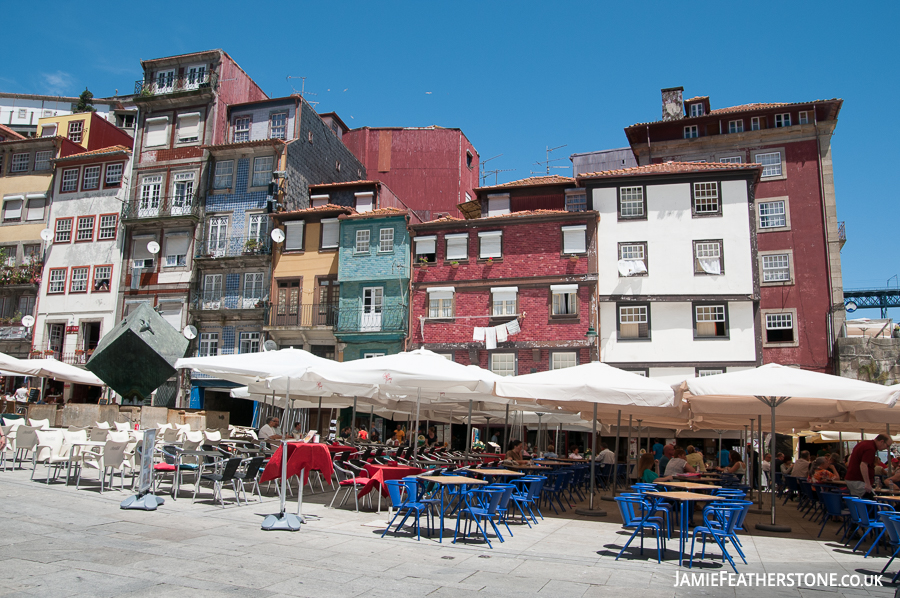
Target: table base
{"type": "Point", "coordinates": [591, 512]}
{"type": "Point", "coordinates": [767, 527]}
{"type": "Point", "coordinates": [147, 502]}
{"type": "Point", "coordinates": [282, 522]}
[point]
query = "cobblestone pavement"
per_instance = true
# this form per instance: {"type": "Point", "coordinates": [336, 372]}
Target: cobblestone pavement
{"type": "Point", "coordinates": [58, 541]}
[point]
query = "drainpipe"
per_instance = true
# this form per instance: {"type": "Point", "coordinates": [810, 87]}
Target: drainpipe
{"type": "Point", "coordinates": [830, 338]}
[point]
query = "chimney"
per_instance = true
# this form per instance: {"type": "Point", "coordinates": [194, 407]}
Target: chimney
{"type": "Point", "coordinates": [673, 103]}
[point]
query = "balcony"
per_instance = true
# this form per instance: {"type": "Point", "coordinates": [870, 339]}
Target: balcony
{"type": "Point", "coordinates": [218, 300]}
{"type": "Point", "coordinates": [78, 357]}
{"type": "Point", "coordinates": [162, 207]}
{"type": "Point", "coordinates": [842, 233]}
{"type": "Point", "coordinates": [236, 246]}
{"type": "Point", "coordinates": [14, 332]}
{"type": "Point", "coordinates": [304, 316]}
{"type": "Point", "coordinates": [203, 81]}
{"type": "Point", "coordinates": [347, 320]}
{"type": "Point", "coordinates": [27, 274]}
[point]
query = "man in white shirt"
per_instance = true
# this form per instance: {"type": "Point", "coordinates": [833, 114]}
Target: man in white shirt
{"type": "Point", "coordinates": [606, 456]}
{"type": "Point", "coordinates": [270, 431]}
{"type": "Point", "coordinates": [22, 394]}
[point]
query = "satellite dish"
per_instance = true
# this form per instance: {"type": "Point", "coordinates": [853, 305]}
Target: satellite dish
{"type": "Point", "coordinates": [277, 235]}
{"type": "Point", "coordinates": [153, 247]}
{"type": "Point", "coordinates": [189, 332]}
{"type": "Point", "coordinates": [28, 321]}
{"type": "Point", "coordinates": [47, 235]}
{"type": "Point", "coordinates": [270, 345]}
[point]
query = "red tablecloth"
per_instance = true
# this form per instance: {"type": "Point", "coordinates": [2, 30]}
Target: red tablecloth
{"type": "Point", "coordinates": [300, 456]}
{"type": "Point", "coordinates": [378, 474]}
{"type": "Point", "coordinates": [339, 448]}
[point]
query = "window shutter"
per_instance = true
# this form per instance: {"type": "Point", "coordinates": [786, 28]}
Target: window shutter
{"type": "Point", "coordinates": [177, 243]}
{"type": "Point", "coordinates": [504, 293]}
{"type": "Point", "coordinates": [48, 131]}
{"type": "Point", "coordinates": [440, 292]}
{"type": "Point", "coordinates": [140, 251]}
{"type": "Point", "coordinates": [156, 131]}
{"type": "Point", "coordinates": [425, 245]}
{"type": "Point", "coordinates": [35, 209]}
{"type": "Point", "coordinates": [574, 239]}
{"type": "Point", "coordinates": [319, 200]}
{"type": "Point", "coordinates": [364, 202]}
{"type": "Point", "coordinates": [457, 246]}
{"type": "Point", "coordinates": [171, 313]}
{"type": "Point", "coordinates": [563, 288]}
{"type": "Point", "coordinates": [490, 244]}
{"type": "Point", "coordinates": [12, 209]}
{"type": "Point", "coordinates": [498, 204]}
{"type": "Point", "coordinates": [330, 233]}
{"type": "Point", "coordinates": [293, 235]}
{"type": "Point", "coordinates": [188, 126]}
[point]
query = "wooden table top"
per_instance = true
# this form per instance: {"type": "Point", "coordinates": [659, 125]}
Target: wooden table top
{"type": "Point", "coordinates": [688, 485]}
{"type": "Point", "coordinates": [684, 496]}
{"type": "Point", "coordinates": [552, 462]}
{"type": "Point", "coordinates": [451, 480]}
{"type": "Point", "coordinates": [529, 467]}
{"type": "Point", "coordinates": [890, 498]}
{"type": "Point", "coordinates": [695, 479]}
{"type": "Point", "coordinates": [489, 471]}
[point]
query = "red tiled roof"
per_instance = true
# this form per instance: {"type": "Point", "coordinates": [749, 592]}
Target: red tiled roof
{"type": "Point", "coordinates": [329, 207]}
{"type": "Point", "coordinates": [696, 98]}
{"type": "Point", "coordinates": [527, 213]}
{"type": "Point", "coordinates": [9, 134]}
{"type": "Point", "coordinates": [114, 149]}
{"type": "Point", "coordinates": [378, 212]}
{"type": "Point", "coordinates": [533, 181]}
{"type": "Point", "coordinates": [444, 218]}
{"type": "Point", "coordinates": [740, 108]}
{"type": "Point", "coordinates": [255, 143]}
{"type": "Point", "coordinates": [344, 184]}
{"type": "Point", "coordinates": [670, 168]}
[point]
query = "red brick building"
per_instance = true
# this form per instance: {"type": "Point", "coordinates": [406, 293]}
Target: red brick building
{"type": "Point", "coordinates": [797, 232]}
{"type": "Point", "coordinates": [536, 268]}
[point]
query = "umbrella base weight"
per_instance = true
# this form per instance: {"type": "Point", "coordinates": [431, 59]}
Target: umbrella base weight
{"type": "Point", "coordinates": [284, 522]}
{"type": "Point", "coordinates": [759, 511]}
{"type": "Point", "coordinates": [591, 512]}
{"type": "Point", "coordinates": [147, 502]}
{"type": "Point", "coordinates": [768, 527]}
{"type": "Point", "coordinates": [609, 498]}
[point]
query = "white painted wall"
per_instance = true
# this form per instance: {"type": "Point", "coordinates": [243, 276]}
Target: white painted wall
{"type": "Point", "coordinates": [669, 231]}
{"type": "Point", "coordinates": [680, 374]}
{"type": "Point", "coordinates": [11, 110]}
{"type": "Point", "coordinates": [259, 119]}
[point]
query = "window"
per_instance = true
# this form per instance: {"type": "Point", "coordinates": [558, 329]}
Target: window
{"type": "Point", "coordinates": [386, 240]}
{"type": "Point", "coordinates": [91, 178]}
{"type": "Point", "coordinates": [69, 181]}
{"type": "Point", "coordinates": [755, 123]}
{"type": "Point", "coordinates": [560, 360]}
{"type": "Point", "coordinates": [151, 190]}
{"type": "Point", "coordinates": [241, 129]}
{"type": "Point", "coordinates": [491, 244]}
{"type": "Point", "coordinates": [26, 305]}
{"type": "Point", "coordinates": [364, 201]}
{"type": "Point", "coordinates": [55, 335]}
{"type": "Point", "coordinates": [457, 246]}
{"type": "Point", "coordinates": [362, 242]}
{"type": "Point", "coordinates": [318, 200]}
{"type": "Point", "coordinates": [702, 373]}
{"type": "Point", "coordinates": [212, 291]}
{"type": "Point", "coordinates": [35, 208]}
{"type": "Point", "coordinates": [331, 233]}
{"type": "Point", "coordinates": [141, 256]}
{"type": "Point", "coordinates": [731, 160]}
{"type": "Point", "coordinates": [42, 160]}
{"type": "Point", "coordinates": [804, 118]}
{"type": "Point", "coordinates": [426, 248]}
{"type": "Point", "coordinates": [224, 171]}
{"type": "Point", "coordinates": [497, 205]}
{"type": "Point", "coordinates": [337, 165]}
{"type": "Point", "coordinates": [262, 171]}
{"type": "Point", "coordinates": [503, 364]}
{"type": "Point", "coordinates": [771, 163]}
{"type": "Point", "coordinates": [183, 196]}
{"type": "Point", "coordinates": [293, 236]}
{"type": "Point", "coordinates": [633, 259]}
{"type": "Point", "coordinates": [278, 125]}
{"type": "Point", "coordinates": [209, 344]}
{"type": "Point", "coordinates": [12, 210]}
{"type": "Point", "coordinates": [372, 355]}
{"type": "Point", "coordinates": [633, 322]}
{"type": "Point", "coordinates": [188, 127]}
{"type": "Point", "coordinates": [253, 289]}
{"type": "Point", "coordinates": [85, 230]}
{"type": "Point", "coordinates": [440, 302]}
{"type": "Point", "coordinates": [780, 327]}
{"type": "Point", "coordinates": [503, 301]}
{"type": "Point", "coordinates": [259, 229]}
{"type": "Point", "coordinates": [576, 201]}
{"type": "Point", "coordinates": [776, 267]}
{"type": "Point", "coordinates": [108, 226]}
{"type": "Point", "coordinates": [79, 280]}
{"type": "Point", "coordinates": [632, 203]}
{"type": "Point", "coordinates": [469, 158]}
{"type": "Point", "coordinates": [217, 236]}
{"type": "Point", "coordinates": [63, 230]}
{"type": "Point", "coordinates": [177, 244]}
{"type": "Point", "coordinates": [32, 253]}
{"type": "Point", "coordinates": [710, 321]}
{"type": "Point", "coordinates": [736, 126]}
{"type": "Point", "coordinates": [772, 214]}
{"type": "Point", "coordinates": [165, 81]}
{"type": "Point", "coordinates": [691, 132]}
{"type": "Point", "coordinates": [696, 110]}
{"type": "Point", "coordinates": [19, 162]}
{"type": "Point", "coordinates": [708, 257]}
{"type": "Point", "coordinates": [102, 278]}
{"type": "Point", "coordinates": [249, 342]}
{"type": "Point", "coordinates": [157, 128]}
{"type": "Point", "coordinates": [48, 130]}
{"type": "Point", "coordinates": [706, 199]}
{"type": "Point", "coordinates": [574, 239]}
{"type": "Point", "coordinates": [125, 121]}
{"type": "Point", "coordinates": [113, 175]}
{"type": "Point", "coordinates": [76, 128]}
{"type": "Point", "coordinates": [564, 299]}
{"type": "Point", "coordinates": [194, 76]}
{"type": "Point", "coordinates": [645, 372]}
{"type": "Point", "coordinates": [782, 120]}
{"type": "Point", "coordinates": [23, 113]}
{"type": "Point", "coordinates": [8, 253]}
{"type": "Point", "coordinates": [57, 282]}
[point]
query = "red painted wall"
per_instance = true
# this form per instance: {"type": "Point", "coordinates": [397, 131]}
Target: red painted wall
{"type": "Point", "coordinates": [105, 134]}
{"type": "Point", "coordinates": [235, 87]}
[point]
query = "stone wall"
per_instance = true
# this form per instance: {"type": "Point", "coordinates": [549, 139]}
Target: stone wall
{"type": "Point", "coordinates": [870, 359]}
{"type": "Point", "coordinates": [87, 415]}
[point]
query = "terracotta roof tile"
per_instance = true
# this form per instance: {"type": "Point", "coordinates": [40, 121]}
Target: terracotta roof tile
{"type": "Point", "coordinates": [669, 168]}
{"type": "Point", "coordinates": [527, 213]}
{"type": "Point", "coordinates": [740, 108]}
{"type": "Point", "coordinates": [533, 181]}
{"type": "Point", "coordinates": [9, 134]}
{"type": "Point", "coordinates": [445, 218]}
{"type": "Point", "coordinates": [254, 143]}
{"type": "Point", "coordinates": [379, 212]}
{"type": "Point", "coordinates": [344, 184]}
{"type": "Point", "coordinates": [695, 98]}
{"type": "Point", "coordinates": [114, 149]}
{"type": "Point", "coordinates": [329, 207]}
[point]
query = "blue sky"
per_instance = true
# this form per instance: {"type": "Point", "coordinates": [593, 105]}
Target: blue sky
{"type": "Point", "coordinates": [517, 77]}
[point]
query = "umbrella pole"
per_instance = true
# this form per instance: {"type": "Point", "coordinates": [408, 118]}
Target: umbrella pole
{"type": "Point", "coordinates": [285, 521]}
{"type": "Point", "coordinates": [469, 430]}
{"type": "Point", "coordinates": [414, 434]}
{"type": "Point", "coordinates": [749, 457]}
{"type": "Point", "coordinates": [627, 452]}
{"type": "Point", "coordinates": [319, 418]}
{"type": "Point", "coordinates": [890, 469]}
{"type": "Point", "coordinates": [773, 527]}
{"type": "Point", "coordinates": [637, 452]}
{"type": "Point", "coordinates": [720, 448]}
{"type": "Point", "coordinates": [840, 445]}
{"type": "Point", "coordinates": [752, 472]}
{"type": "Point", "coordinates": [556, 444]}
{"type": "Point", "coordinates": [615, 467]}
{"type": "Point", "coordinates": [762, 455]}
{"type": "Point", "coordinates": [505, 431]}
{"type": "Point", "coordinates": [353, 422]}
{"type": "Point", "coordinates": [591, 511]}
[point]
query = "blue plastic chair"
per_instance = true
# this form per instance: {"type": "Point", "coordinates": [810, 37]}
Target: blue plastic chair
{"type": "Point", "coordinates": [739, 523]}
{"type": "Point", "coordinates": [628, 507]}
{"type": "Point", "coordinates": [832, 506]}
{"type": "Point", "coordinates": [556, 490]}
{"type": "Point", "coordinates": [503, 506]}
{"type": "Point", "coordinates": [811, 502]}
{"type": "Point", "coordinates": [480, 506]}
{"type": "Point", "coordinates": [720, 523]}
{"type": "Point", "coordinates": [864, 520]}
{"type": "Point", "coordinates": [408, 506]}
{"type": "Point", "coordinates": [792, 488]}
{"type": "Point", "coordinates": [528, 496]}
{"type": "Point", "coordinates": [891, 521]}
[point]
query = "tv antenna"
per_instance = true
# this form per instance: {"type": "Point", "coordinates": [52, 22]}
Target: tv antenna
{"type": "Point", "coordinates": [303, 93]}
{"type": "Point", "coordinates": [547, 163]}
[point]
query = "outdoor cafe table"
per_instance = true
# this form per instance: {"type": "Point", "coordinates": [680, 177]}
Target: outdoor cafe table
{"type": "Point", "coordinates": [84, 444]}
{"type": "Point", "coordinates": [490, 472]}
{"type": "Point", "coordinates": [379, 474]}
{"type": "Point", "coordinates": [180, 454]}
{"type": "Point", "coordinates": [688, 486]}
{"type": "Point", "coordinates": [685, 499]}
{"type": "Point", "coordinates": [695, 480]}
{"type": "Point", "coordinates": [530, 467]}
{"type": "Point", "coordinates": [339, 448]}
{"type": "Point", "coordinates": [450, 480]}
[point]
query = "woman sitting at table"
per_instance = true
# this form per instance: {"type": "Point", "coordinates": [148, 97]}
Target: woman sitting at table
{"type": "Point", "coordinates": [647, 469]}
{"type": "Point", "coordinates": [574, 454]}
{"type": "Point", "coordinates": [737, 465]}
{"type": "Point", "coordinates": [514, 453]}
{"type": "Point", "coordinates": [678, 465]}
{"type": "Point", "coordinates": [550, 453]}
{"type": "Point", "coordinates": [823, 471]}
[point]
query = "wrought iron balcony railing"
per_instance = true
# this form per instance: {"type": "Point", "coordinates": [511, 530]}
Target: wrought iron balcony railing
{"type": "Point", "coordinates": [390, 318]}
{"type": "Point", "coordinates": [842, 233]}
{"type": "Point", "coordinates": [218, 300]}
{"type": "Point", "coordinates": [217, 247]}
{"type": "Point", "coordinates": [21, 274]}
{"type": "Point", "coordinates": [162, 207]}
{"type": "Point", "coordinates": [14, 332]}
{"type": "Point", "coordinates": [303, 316]}
{"type": "Point", "coordinates": [165, 84]}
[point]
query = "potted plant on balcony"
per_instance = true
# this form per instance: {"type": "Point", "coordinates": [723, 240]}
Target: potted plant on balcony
{"type": "Point", "coordinates": [251, 246]}
{"type": "Point", "coordinates": [573, 258]}
{"type": "Point", "coordinates": [454, 265]}
{"type": "Point", "coordinates": [489, 262]}
{"type": "Point", "coordinates": [423, 263]}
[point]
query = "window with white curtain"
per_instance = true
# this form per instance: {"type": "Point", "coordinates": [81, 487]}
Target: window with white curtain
{"type": "Point", "coordinates": [440, 302]}
{"type": "Point", "coordinates": [503, 301]}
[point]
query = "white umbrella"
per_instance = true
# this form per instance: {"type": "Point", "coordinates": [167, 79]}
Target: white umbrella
{"type": "Point", "coordinates": [796, 393]}
{"type": "Point", "coordinates": [57, 370]}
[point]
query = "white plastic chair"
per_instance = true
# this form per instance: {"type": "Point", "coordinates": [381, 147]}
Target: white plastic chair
{"type": "Point", "coordinates": [40, 424]}
{"type": "Point", "coordinates": [26, 440]}
{"type": "Point", "coordinates": [169, 435]}
{"type": "Point", "coordinates": [70, 437]}
{"type": "Point", "coordinates": [183, 430]}
{"type": "Point", "coordinates": [112, 459]}
{"type": "Point", "coordinates": [99, 434]}
{"type": "Point", "coordinates": [213, 438]}
{"type": "Point", "coordinates": [123, 426]}
{"type": "Point", "coordinates": [117, 436]}
{"type": "Point", "coordinates": [102, 425]}
{"type": "Point", "coordinates": [51, 451]}
{"type": "Point", "coordinates": [9, 449]}
{"type": "Point", "coordinates": [194, 437]}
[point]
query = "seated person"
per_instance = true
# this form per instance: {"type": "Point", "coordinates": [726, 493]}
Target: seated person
{"type": "Point", "coordinates": [270, 431]}
{"type": "Point", "coordinates": [514, 454]}
{"type": "Point", "coordinates": [647, 469]}
{"type": "Point", "coordinates": [737, 466]}
{"type": "Point", "coordinates": [678, 465]}
{"type": "Point", "coordinates": [550, 453]}
{"type": "Point", "coordinates": [838, 465]}
{"type": "Point", "coordinates": [695, 459]}
{"type": "Point", "coordinates": [823, 471]}
{"type": "Point", "coordinates": [574, 453]}
{"type": "Point", "coordinates": [297, 432]}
